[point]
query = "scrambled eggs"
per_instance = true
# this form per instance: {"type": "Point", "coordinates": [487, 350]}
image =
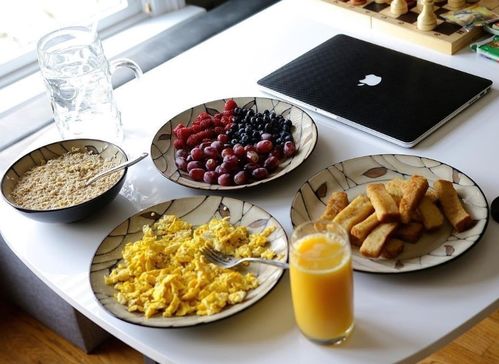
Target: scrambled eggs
{"type": "Point", "coordinates": [165, 272]}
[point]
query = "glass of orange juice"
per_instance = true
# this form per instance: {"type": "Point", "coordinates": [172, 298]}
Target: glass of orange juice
{"type": "Point", "coordinates": [322, 281]}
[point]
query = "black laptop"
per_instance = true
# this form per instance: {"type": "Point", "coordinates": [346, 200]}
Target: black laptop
{"type": "Point", "coordinates": [392, 95]}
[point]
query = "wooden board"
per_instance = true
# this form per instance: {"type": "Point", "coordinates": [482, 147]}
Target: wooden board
{"type": "Point", "coordinates": [446, 37]}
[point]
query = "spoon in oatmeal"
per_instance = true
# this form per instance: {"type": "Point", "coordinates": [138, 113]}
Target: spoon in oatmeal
{"type": "Point", "coordinates": [117, 168]}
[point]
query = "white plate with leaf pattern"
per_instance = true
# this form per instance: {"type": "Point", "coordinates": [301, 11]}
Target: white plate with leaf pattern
{"type": "Point", "coordinates": [195, 210]}
{"type": "Point", "coordinates": [353, 175]}
{"type": "Point", "coordinates": [304, 133]}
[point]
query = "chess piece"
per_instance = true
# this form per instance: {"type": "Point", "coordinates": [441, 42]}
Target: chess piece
{"type": "Point", "coordinates": [380, 1]}
{"type": "Point", "coordinates": [427, 19]}
{"type": "Point", "coordinates": [456, 4]}
{"type": "Point", "coordinates": [398, 7]}
{"type": "Point", "coordinates": [411, 3]}
{"type": "Point", "coordinates": [358, 2]}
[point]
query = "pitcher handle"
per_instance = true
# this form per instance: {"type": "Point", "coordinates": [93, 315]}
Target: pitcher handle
{"type": "Point", "coordinates": [126, 63]}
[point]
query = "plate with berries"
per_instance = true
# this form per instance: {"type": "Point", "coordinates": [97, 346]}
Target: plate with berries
{"type": "Point", "coordinates": [233, 143]}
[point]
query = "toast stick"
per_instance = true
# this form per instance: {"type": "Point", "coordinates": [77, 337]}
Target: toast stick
{"type": "Point", "coordinates": [360, 231]}
{"type": "Point", "coordinates": [336, 202]}
{"type": "Point", "coordinates": [414, 190]}
{"type": "Point", "coordinates": [372, 246]}
{"type": "Point", "coordinates": [355, 212]}
{"type": "Point", "coordinates": [432, 216]}
{"type": "Point", "coordinates": [451, 205]}
{"type": "Point", "coordinates": [384, 205]}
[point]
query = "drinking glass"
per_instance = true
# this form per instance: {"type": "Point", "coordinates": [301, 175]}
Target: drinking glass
{"type": "Point", "coordinates": [77, 75]}
{"type": "Point", "coordinates": [322, 281]}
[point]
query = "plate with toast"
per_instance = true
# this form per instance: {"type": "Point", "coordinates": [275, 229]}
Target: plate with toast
{"type": "Point", "coordinates": [403, 213]}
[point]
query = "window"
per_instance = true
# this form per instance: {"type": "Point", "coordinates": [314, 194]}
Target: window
{"type": "Point", "coordinates": [22, 23]}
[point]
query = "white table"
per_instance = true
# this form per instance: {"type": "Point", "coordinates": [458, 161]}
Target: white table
{"type": "Point", "coordinates": [398, 317]}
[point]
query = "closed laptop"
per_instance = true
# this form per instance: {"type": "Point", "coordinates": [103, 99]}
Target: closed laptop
{"type": "Point", "coordinates": [392, 95]}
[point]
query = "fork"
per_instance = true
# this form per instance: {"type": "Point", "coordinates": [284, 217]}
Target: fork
{"type": "Point", "coordinates": [227, 261]}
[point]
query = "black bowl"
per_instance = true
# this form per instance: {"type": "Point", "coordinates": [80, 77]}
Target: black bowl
{"type": "Point", "coordinates": [51, 151]}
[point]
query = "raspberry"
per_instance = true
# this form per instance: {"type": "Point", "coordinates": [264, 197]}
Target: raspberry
{"type": "Point", "coordinates": [230, 105]}
{"type": "Point", "coordinates": [193, 140]}
{"type": "Point", "coordinates": [184, 133]}
{"type": "Point", "coordinates": [196, 128]}
{"type": "Point", "coordinates": [205, 123]}
{"type": "Point", "coordinates": [226, 120]}
{"type": "Point", "coordinates": [179, 144]}
{"type": "Point", "coordinates": [177, 128]}
{"type": "Point", "coordinates": [203, 134]}
{"type": "Point", "coordinates": [203, 115]}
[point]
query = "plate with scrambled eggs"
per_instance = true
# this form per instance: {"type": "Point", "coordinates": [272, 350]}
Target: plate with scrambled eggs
{"type": "Point", "coordinates": [150, 271]}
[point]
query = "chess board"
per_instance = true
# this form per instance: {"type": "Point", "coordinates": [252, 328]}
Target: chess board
{"type": "Point", "coordinates": [445, 37]}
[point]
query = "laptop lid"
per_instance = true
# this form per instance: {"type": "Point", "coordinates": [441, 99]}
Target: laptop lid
{"type": "Point", "coordinates": [390, 94]}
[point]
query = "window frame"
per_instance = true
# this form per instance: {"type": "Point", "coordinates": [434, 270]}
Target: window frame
{"type": "Point", "coordinates": [26, 63]}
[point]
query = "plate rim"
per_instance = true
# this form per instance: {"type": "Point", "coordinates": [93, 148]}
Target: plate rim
{"type": "Point", "coordinates": [206, 319]}
{"type": "Point", "coordinates": [208, 187]}
{"type": "Point", "coordinates": [475, 242]}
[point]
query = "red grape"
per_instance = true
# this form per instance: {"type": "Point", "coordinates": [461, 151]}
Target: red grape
{"type": "Point", "coordinates": [252, 156]}
{"type": "Point", "coordinates": [227, 151]}
{"type": "Point", "coordinates": [218, 145]}
{"type": "Point", "coordinates": [210, 152]}
{"type": "Point", "coordinates": [267, 136]}
{"type": "Point", "coordinates": [194, 164]}
{"type": "Point", "coordinates": [289, 149]}
{"type": "Point", "coordinates": [197, 154]}
{"type": "Point", "coordinates": [211, 164]}
{"type": "Point", "coordinates": [239, 150]}
{"type": "Point", "coordinates": [181, 163]}
{"type": "Point", "coordinates": [181, 153]}
{"type": "Point", "coordinates": [225, 179]}
{"type": "Point", "coordinates": [205, 144]}
{"type": "Point", "coordinates": [240, 178]}
{"type": "Point", "coordinates": [232, 159]}
{"type": "Point", "coordinates": [271, 163]}
{"type": "Point", "coordinates": [277, 152]}
{"type": "Point", "coordinates": [210, 177]}
{"type": "Point", "coordinates": [223, 138]}
{"type": "Point", "coordinates": [250, 167]}
{"type": "Point", "coordinates": [260, 173]}
{"type": "Point", "coordinates": [197, 174]}
{"type": "Point", "coordinates": [228, 166]}
{"type": "Point", "coordinates": [264, 146]}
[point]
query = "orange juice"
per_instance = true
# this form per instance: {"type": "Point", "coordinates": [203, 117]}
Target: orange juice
{"type": "Point", "coordinates": [322, 286]}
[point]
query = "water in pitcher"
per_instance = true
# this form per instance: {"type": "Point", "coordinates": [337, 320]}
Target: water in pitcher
{"type": "Point", "coordinates": [78, 80]}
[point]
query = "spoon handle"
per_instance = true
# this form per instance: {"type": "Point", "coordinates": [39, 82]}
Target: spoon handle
{"type": "Point", "coordinates": [117, 168]}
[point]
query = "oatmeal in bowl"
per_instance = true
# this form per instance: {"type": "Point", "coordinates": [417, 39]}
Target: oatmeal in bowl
{"type": "Point", "coordinates": [48, 184]}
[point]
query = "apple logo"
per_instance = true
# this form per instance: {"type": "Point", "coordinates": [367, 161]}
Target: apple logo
{"type": "Point", "coordinates": [370, 80]}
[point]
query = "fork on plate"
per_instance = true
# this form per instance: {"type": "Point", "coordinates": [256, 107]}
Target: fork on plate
{"type": "Point", "coordinates": [227, 261]}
